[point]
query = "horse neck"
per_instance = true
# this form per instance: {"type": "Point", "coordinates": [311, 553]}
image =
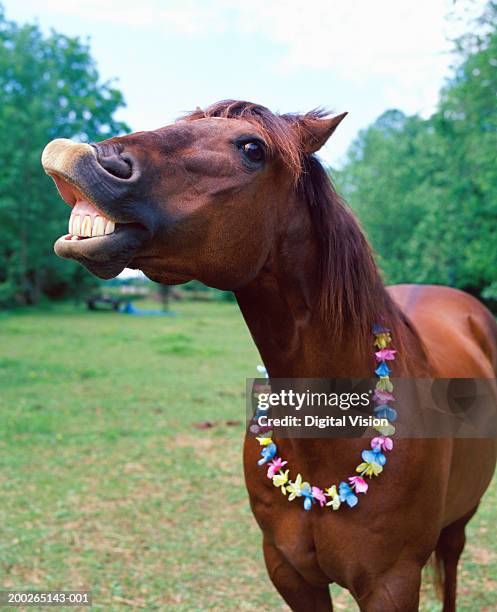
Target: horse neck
{"type": "Point", "coordinates": [281, 306]}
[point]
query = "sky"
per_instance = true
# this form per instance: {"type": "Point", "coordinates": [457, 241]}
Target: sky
{"type": "Point", "coordinates": [360, 56]}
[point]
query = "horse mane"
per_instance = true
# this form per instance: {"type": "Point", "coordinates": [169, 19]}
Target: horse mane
{"type": "Point", "coordinates": [353, 295]}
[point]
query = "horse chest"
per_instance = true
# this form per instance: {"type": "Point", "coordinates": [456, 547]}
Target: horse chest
{"type": "Point", "coordinates": [341, 546]}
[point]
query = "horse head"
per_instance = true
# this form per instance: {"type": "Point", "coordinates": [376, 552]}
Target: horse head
{"type": "Point", "coordinates": [203, 198]}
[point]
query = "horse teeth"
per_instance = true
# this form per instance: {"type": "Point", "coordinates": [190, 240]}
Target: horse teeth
{"type": "Point", "coordinates": [98, 227]}
{"type": "Point", "coordinates": [90, 227]}
{"type": "Point", "coordinates": [109, 228]}
{"type": "Point", "coordinates": [76, 225]}
{"type": "Point", "coordinates": [86, 227]}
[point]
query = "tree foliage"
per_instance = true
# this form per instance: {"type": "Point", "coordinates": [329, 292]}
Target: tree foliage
{"type": "Point", "coordinates": [49, 88]}
{"type": "Point", "coordinates": [426, 189]}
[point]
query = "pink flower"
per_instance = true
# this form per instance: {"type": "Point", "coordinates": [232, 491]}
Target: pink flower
{"type": "Point", "coordinates": [359, 484]}
{"type": "Point", "coordinates": [383, 442]}
{"type": "Point", "coordinates": [275, 466]}
{"type": "Point", "coordinates": [382, 397]}
{"type": "Point", "coordinates": [385, 354]}
{"type": "Point", "coordinates": [319, 495]}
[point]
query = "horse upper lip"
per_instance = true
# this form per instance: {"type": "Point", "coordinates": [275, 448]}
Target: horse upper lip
{"type": "Point", "coordinates": [61, 155]}
{"type": "Point", "coordinates": [73, 194]}
{"type": "Point", "coordinates": [95, 173]}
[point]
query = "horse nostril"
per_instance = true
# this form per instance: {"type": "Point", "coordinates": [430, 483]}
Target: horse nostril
{"type": "Point", "coordinates": [117, 166]}
{"type": "Point", "coordinates": [114, 161]}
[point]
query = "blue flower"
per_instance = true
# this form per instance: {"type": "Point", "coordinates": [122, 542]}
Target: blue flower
{"type": "Point", "coordinates": [386, 412]}
{"type": "Point", "coordinates": [267, 453]}
{"type": "Point", "coordinates": [378, 329]}
{"type": "Point", "coordinates": [347, 495]}
{"type": "Point", "coordinates": [307, 495]}
{"type": "Point", "coordinates": [382, 369]}
{"type": "Point", "coordinates": [374, 456]}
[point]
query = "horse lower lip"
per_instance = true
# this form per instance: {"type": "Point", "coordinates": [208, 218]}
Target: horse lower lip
{"type": "Point", "coordinates": [126, 234]}
{"type": "Point", "coordinates": [117, 228]}
{"type": "Point", "coordinates": [105, 256]}
{"type": "Point", "coordinates": [71, 238]}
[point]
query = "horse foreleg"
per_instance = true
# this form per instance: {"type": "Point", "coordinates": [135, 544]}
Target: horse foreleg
{"type": "Point", "coordinates": [395, 591]}
{"type": "Point", "coordinates": [299, 594]}
{"type": "Point", "coordinates": [448, 551]}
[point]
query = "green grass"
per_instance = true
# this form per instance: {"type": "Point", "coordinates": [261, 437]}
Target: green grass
{"type": "Point", "coordinates": [106, 484]}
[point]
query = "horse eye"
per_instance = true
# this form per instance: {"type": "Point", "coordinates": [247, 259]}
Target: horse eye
{"type": "Point", "coordinates": [253, 151]}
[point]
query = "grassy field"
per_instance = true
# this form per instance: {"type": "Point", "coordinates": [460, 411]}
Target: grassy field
{"type": "Point", "coordinates": [107, 485]}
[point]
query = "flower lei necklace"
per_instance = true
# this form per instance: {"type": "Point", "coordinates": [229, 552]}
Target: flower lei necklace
{"type": "Point", "coordinates": [373, 459]}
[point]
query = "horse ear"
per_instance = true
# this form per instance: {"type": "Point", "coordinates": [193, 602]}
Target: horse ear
{"type": "Point", "coordinates": [314, 131]}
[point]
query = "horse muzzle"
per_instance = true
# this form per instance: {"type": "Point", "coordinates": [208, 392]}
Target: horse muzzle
{"type": "Point", "coordinates": [100, 183]}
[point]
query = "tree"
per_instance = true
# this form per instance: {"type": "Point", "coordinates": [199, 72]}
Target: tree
{"type": "Point", "coordinates": [50, 88]}
{"type": "Point", "coordinates": [467, 120]}
{"type": "Point", "coordinates": [382, 181]}
{"type": "Point", "coordinates": [426, 189]}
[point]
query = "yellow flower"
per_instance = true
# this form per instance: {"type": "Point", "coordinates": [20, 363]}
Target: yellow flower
{"type": "Point", "coordinates": [386, 430]}
{"type": "Point", "coordinates": [264, 441]}
{"type": "Point", "coordinates": [335, 499]}
{"type": "Point", "coordinates": [384, 384]}
{"type": "Point", "coordinates": [383, 340]}
{"type": "Point", "coordinates": [280, 480]}
{"type": "Point", "coordinates": [369, 469]}
{"type": "Point", "coordinates": [295, 488]}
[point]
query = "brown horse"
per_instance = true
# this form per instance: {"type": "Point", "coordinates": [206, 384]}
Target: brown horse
{"type": "Point", "coordinates": [233, 196]}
